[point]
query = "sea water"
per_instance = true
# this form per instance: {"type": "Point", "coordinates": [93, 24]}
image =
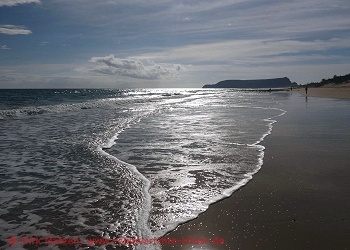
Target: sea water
{"type": "Point", "coordinates": [84, 164]}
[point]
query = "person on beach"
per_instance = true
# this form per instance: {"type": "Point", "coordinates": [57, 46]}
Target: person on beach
{"type": "Point", "coordinates": [306, 89]}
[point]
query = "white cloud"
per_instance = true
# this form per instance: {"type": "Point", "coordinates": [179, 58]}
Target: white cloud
{"type": "Point", "coordinates": [133, 68]}
{"type": "Point", "coordinates": [4, 47]}
{"type": "Point", "coordinates": [247, 51]}
{"type": "Point", "coordinates": [16, 2]}
{"type": "Point", "coordinates": [43, 43]}
{"type": "Point", "coordinates": [4, 78]}
{"type": "Point", "coordinates": [258, 58]}
{"type": "Point", "coordinates": [199, 17]}
{"type": "Point", "coordinates": [14, 30]}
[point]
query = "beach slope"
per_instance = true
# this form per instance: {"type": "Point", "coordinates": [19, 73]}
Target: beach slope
{"type": "Point", "coordinates": [300, 199]}
{"type": "Point", "coordinates": [341, 91]}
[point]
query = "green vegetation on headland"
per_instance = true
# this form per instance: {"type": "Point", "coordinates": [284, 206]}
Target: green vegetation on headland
{"type": "Point", "coordinates": [336, 80]}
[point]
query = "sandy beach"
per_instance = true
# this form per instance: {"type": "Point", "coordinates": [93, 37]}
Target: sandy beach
{"type": "Point", "coordinates": [300, 199]}
{"type": "Point", "coordinates": [341, 91]}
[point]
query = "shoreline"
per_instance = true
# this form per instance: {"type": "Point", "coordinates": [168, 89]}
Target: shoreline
{"type": "Point", "coordinates": [299, 199]}
{"type": "Point", "coordinates": [341, 91]}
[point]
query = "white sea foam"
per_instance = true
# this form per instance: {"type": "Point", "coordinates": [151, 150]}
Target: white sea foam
{"type": "Point", "coordinates": [196, 153]}
{"type": "Point", "coordinates": [135, 166]}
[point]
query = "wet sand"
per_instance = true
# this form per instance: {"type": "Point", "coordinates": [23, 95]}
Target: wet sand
{"type": "Point", "coordinates": [300, 199]}
{"type": "Point", "coordinates": [332, 91]}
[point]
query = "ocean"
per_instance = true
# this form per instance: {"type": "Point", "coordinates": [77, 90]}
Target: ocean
{"type": "Point", "coordinates": [96, 168]}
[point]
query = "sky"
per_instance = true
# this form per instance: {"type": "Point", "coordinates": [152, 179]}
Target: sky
{"type": "Point", "coordinates": [170, 43]}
